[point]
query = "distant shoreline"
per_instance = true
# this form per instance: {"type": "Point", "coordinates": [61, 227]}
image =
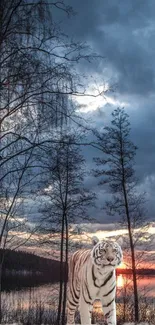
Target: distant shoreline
{"type": "Point", "coordinates": [150, 272]}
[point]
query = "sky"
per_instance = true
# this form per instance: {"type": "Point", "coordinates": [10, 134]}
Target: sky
{"type": "Point", "coordinates": [123, 33]}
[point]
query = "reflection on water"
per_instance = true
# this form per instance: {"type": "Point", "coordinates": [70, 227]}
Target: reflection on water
{"type": "Point", "coordinates": [45, 297]}
{"type": "Point", "coordinates": [30, 306]}
{"type": "Point", "coordinates": [46, 294]}
{"type": "Point", "coordinates": [146, 285]}
{"type": "Point", "coordinates": [120, 281]}
{"type": "Point", "coordinates": [124, 299]}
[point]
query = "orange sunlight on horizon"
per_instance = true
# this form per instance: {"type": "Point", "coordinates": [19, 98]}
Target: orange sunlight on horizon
{"type": "Point", "coordinates": [122, 266]}
{"type": "Point", "coordinates": [120, 281]}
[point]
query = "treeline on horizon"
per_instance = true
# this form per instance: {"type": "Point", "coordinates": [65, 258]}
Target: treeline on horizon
{"type": "Point", "coordinates": [22, 269]}
{"type": "Point", "coordinates": [27, 269]}
{"type": "Point", "coordinates": [142, 271]}
{"type": "Point", "coordinates": [24, 261]}
{"type": "Point", "coordinates": [29, 263]}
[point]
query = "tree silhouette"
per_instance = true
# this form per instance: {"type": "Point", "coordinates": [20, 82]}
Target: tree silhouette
{"type": "Point", "coordinates": [116, 171]}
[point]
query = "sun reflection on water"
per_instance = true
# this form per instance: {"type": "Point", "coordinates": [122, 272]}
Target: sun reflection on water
{"type": "Point", "coordinates": [120, 281]}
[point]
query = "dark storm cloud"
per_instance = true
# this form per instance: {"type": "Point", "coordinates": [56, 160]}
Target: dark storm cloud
{"type": "Point", "coordinates": [142, 118]}
{"type": "Point", "coordinates": [123, 32]}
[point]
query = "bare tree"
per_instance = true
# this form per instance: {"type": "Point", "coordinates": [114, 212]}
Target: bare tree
{"type": "Point", "coordinates": [116, 170]}
{"type": "Point", "coordinates": [37, 74]}
{"type": "Point", "coordinates": [66, 203]}
{"type": "Point", "coordinates": [12, 224]}
{"type": "Point", "coordinates": [38, 80]}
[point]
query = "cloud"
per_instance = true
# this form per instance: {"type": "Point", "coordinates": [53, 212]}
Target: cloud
{"type": "Point", "coordinates": [141, 116]}
{"type": "Point", "coordinates": [94, 227]}
{"type": "Point", "coordinates": [123, 33]}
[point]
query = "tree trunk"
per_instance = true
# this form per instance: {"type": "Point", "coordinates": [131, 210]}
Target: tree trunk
{"type": "Point", "coordinates": [136, 303]}
{"type": "Point", "coordinates": [2, 256]}
{"type": "Point", "coordinates": [65, 274]}
{"type": "Point", "coordinates": [125, 316]}
{"type": "Point", "coordinates": [61, 274]}
{"type": "Point", "coordinates": [66, 248]}
{"type": "Point", "coordinates": [0, 293]}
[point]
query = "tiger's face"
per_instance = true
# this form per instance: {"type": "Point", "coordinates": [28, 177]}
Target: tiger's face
{"type": "Point", "coordinates": [107, 253]}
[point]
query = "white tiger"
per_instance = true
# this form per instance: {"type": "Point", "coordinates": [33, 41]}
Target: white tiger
{"type": "Point", "coordinates": [91, 277]}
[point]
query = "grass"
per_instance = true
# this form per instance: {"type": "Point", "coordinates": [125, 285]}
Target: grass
{"type": "Point", "coordinates": [37, 311]}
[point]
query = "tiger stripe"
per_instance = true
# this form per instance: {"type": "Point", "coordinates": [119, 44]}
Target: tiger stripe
{"type": "Point", "coordinates": [109, 303]}
{"type": "Point", "coordinates": [108, 293]}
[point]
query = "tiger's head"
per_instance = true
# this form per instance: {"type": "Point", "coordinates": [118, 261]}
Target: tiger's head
{"type": "Point", "coordinates": [106, 253]}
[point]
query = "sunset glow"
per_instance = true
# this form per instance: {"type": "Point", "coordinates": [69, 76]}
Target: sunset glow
{"type": "Point", "coordinates": [120, 281]}
{"type": "Point", "coordinates": [122, 266]}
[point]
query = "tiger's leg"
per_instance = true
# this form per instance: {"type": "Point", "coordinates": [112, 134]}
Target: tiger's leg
{"type": "Point", "coordinates": [70, 316]}
{"type": "Point", "coordinates": [109, 310]}
{"type": "Point", "coordinates": [85, 312]}
{"type": "Point", "coordinates": [72, 303]}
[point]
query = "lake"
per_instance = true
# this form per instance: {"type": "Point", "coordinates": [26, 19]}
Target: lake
{"type": "Point", "coordinates": [146, 285]}
{"type": "Point", "coordinates": [42, 300]}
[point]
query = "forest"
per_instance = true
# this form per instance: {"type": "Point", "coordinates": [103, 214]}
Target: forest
{"type": "Point", "coordinates": [18, 261]}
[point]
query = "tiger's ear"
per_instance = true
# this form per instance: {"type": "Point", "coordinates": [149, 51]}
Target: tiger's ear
{"type": "Point", "coordinates": [95, 240]}
{"type": "Point", "coordinates": [120, 240]}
